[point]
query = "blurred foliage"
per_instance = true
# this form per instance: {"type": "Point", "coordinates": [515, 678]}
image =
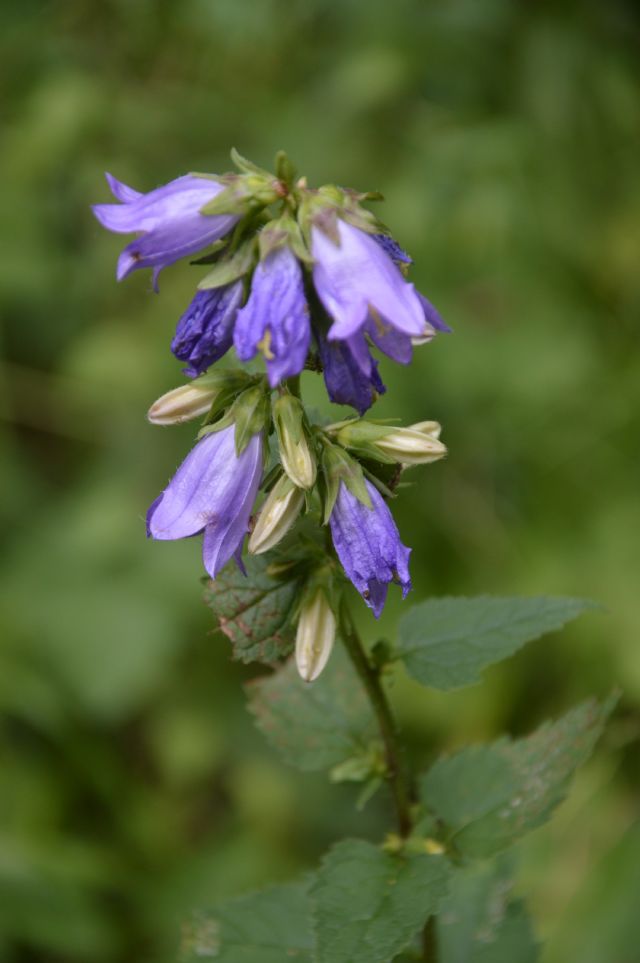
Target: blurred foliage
{"type": "Point", "coordinates": [505, 136]}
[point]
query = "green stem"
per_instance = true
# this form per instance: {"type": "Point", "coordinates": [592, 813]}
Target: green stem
{"type": "Point", "coordinates": [395, 771]}
{"type": "Point", "coordinates": [429, 943]}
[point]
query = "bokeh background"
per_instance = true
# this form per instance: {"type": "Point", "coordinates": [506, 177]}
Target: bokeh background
{"type": "Point", "coordinates": [505, 136]}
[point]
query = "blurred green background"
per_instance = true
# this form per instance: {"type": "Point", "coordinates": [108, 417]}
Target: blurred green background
{"type": "Point", "coordinates": [505, 136]}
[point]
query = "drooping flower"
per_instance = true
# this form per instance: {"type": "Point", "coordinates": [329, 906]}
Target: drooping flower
{"type": "Point", "coordinates": [275, 319]}
{"type": "Point", "coordinates": [213, 491]}
{"type": "Point", "coordinates": [357, 276]}
{"type": "Point", "coordinates": [205, 330]}
{"type": "Point", "coordinates": [350, 373]}
{"type": "Point", "coordinates": [167, 220]}
{"type": "Point", "coordinates": [368, 545]}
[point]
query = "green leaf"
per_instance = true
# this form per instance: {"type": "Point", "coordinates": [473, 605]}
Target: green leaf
{"type": "Point", "coordinates": [230, 269]}
{"type": "Point", "coordinates": [368, 905]}
{"type": "Point", "coordinates": [490, 796]}
{"type": "Point", "coordinates": [254, 611]}
{"type": "Point", "coordinates": [446, 642]}
{"type": "Point", "coordinates": [315, 725]}
{"type": "Point", "coordinates": [480, 923]}
{"type": "Point", "coordinates": [266, 927]}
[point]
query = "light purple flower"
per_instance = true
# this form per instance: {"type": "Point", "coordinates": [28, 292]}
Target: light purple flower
{"type": "Point", "coordinates": [167, 219]}
{"type": "Point", "coordinates": [368, 545]}
{"type": "Point", "coordinates": [213, 492]}
{"type": "Point", "coordinates": [205, 330]}
{"type": "Point", "coordinates": [432, 316]}
{"type": "Point", "coordinates": [358, 276]}
{"type": "Point", "coordinates": [275, 318]}
{"type": "Point", "coordinates": [350, 373]}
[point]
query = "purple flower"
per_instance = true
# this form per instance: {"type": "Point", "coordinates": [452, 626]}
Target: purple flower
{"type": "Point", "coordinates": [356, 277]}
{"type": "Point", "coordinates": [275, 319]}
{"type": "Point", "coordinates": [350, 373]}
{"type": "Point", "coordinates": [432, 317]}
{"type": "Point", "coordinates": [168, 220]}
{"type": "Point", "coordinates": [213, 492]}
{"type": "Point", "coordinates": [368, 545]}
{"type": "Point", "coordinates": [205, 330]}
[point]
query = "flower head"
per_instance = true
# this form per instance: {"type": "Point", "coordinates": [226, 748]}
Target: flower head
{"type": "Point", "coordinates": [368, 545]}
{"type": "Point", "coordinates": [357, 276]}
{"type": "Point", "coordinates": [167, 219]}
{"type": "Point", "coordinates": [350, 373]}
{"type": "Point", "coordinates": [205, 330]}
{"type": "Point", "coordinates": [275, 319]}
{"type": "Point", "coordinates": [213, 492]}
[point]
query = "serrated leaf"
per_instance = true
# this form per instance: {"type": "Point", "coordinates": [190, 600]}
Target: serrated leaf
{"type": "Point", "coordinates": [266, 927]}
{"type": "Point", "coordinates": [368, 905]}
{"type": "Point", "coordinates": [446, 642]}
{"type": "Point", "coordinates": [480, 923]}
{"type": "Point", "coordinates": [490, 796]}
{"type": "Point", "coordinates": [254, 611]}
{"type": "Point", "coordinates": [318, 725]}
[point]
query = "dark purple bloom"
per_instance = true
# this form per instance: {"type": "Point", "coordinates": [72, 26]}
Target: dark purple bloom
{"type": "Point", "coordinates": [358, 276]}
{"type": "Point", "coordinates": [368, 545]}
{"type": "Point", "coordinates": [213, 491]}
{"type": "Point", "coordinates": [393, 249]}
{"type": "Point", "coordinates": [350, 373]}
{"type": "Point", "coordinates": [205, 330]}
{"type": "Point", "coordinates": [275, 319]}
{"type": "Point", "coordinates": [168, 220]}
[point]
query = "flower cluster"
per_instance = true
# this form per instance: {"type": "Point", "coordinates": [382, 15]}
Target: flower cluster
{"type": "Point", "coordinates": [307, 279]}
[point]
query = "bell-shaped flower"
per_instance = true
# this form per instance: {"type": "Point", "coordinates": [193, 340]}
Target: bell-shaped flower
{"type": "Point", "coordinates": [357, 276]}
{"type": "Point", "coordinates": [213, 492]}
{"type": "Point", "coordinates": [368, 545]}
{"type": "Point", "coordinates": [205, 330]}
{"type": "Point", "coordinates": [167, 220]}
{"type": "Point", "coordinates": [275, 319]}
{"type": "Point", "coordinates": [350, 373]}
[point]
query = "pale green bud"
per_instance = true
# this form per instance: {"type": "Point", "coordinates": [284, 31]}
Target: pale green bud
{"type": "Point", "coordinates": [182, 404]}
{"type": "Point", "coordinates": [416, 445]}
{"type": "Point", "coordinates": [296, 456]}
{"type": "Point", "coordinates": [278, 513]}
{"type": "Point", "coordinates": [315, 636]}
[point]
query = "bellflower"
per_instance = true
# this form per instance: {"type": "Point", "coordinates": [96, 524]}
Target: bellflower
{"type": "Point", "coordinates": [358, 276]}
{"type": "Point", "coordinates": [350, 373]}
{"type": "Point", "coordinates": [205, 330]}
{"type": "Point", "coordinates": [275, 319]}
{"type": "Point", "coordinates": [167, 219]}
{"type": "Point", "coordinates": [213, 491]}
{"type": "Point", "coordinates": [368, 545]}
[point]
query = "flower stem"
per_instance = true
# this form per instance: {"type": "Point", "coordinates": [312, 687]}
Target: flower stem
{"type": "Point", "coordinates": [370, 677]}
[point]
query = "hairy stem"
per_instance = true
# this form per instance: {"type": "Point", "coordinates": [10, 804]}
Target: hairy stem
{"type": "Point", "coordinates": [396, 774]}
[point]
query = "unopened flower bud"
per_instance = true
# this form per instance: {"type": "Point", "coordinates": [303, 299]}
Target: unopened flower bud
{"type": "Point", "coordinates": [315, 636]}
{"type": "Point", "coordinates": [279, 511]}
{"type": "Point", "coordinates": [413, 445]}
{"type": "Point", "coordinates": [296, 456]}
{"type": "Point", "coordinates": [182, 404]}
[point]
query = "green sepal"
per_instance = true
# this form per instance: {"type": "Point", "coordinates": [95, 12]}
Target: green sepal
{"type": "Point", "coordinates": [285, 171]}
{"type": "Point", "coordinates": [364, 765]}
{"type": "Point", "coordinates": [245, 165]}
{"type": "Point", "coordinates": [243, 193]}
{"type": "Point", "coordinates": [251, 414]}
{"type": "Point", "coordinates": [214, 252]}
{"type": "Point", "coordinates": [229, 383]}
{"type": "Point", "coordinates": [230, 269]}
{"type": "Point", "coordinates": [283, 232]}
{"type": "Point", "coordinates": [338, 466]}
